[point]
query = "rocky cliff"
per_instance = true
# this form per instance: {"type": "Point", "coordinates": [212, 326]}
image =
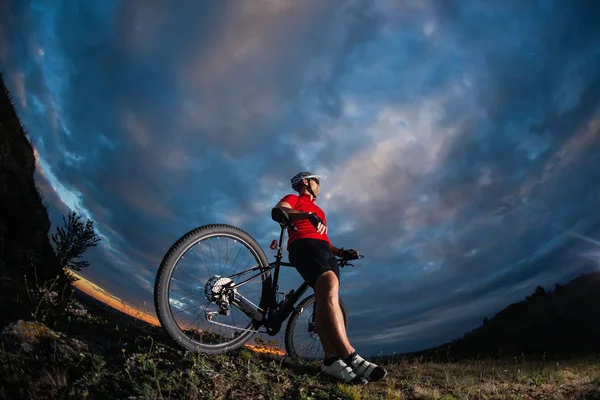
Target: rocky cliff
{"type": "Point", "coordinates": [25, 247]}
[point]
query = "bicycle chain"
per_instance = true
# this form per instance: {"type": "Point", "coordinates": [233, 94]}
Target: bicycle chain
{"type": "Point", "coordinates": [231, 326]}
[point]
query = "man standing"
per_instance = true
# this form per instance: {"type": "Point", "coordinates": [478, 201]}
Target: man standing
{"type": "Point", "coordinates": [312, 254]}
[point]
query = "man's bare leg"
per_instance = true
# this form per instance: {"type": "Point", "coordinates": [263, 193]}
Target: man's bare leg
{"type": "Point", "coordinates": [328, 347]}
{"type": "Point", "coordinates": [331, 328]}
{"type": "Point", "coordinates": [330, 321]}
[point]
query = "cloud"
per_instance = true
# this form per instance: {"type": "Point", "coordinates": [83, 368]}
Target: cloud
{"type": "Point", "coordinates": [16, 78]}
{"type": "Point", "coordinates": [457, 140]}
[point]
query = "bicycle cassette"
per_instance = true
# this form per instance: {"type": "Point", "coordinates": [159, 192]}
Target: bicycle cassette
{"type": "Point", "coordinates": [218, 290]}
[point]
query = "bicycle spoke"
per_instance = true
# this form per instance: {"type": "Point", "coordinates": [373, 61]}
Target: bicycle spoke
{"type": "Point", "coordinates": [232, 314]}
{"type": "Point", "coordinates": [211, 254]}
{"type": "Point", "coordinates": [219, 256]}
{"type": "Point", "coordinates": [180, 311]}
{"type": "Point", "coordinates": [201, 262]}
{"type": "Point", "coordinates": [313, 345]}
{"type": "Point", "coordinates": [307, 337]}
{"type": "Point", "coordinates": [247, 265]}
{"type": "Point", "coordinates": [182, 270]}
{"type": "Point", "coordinates": [194, 320]}
{"type": "Point", "coordinates": [226, 252]}
{"type": "Point", "coordinates": [236, 257]}
{"type": "Point", "coordinates": [239, 264]}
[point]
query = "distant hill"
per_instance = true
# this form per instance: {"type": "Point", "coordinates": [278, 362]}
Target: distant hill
{"type": "Point", "coordinates": [561, 322]}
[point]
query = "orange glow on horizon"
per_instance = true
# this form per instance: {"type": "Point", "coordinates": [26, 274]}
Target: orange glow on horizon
{"type": "Point", "coordinates": [265, 350]}
{"type": "Point", "coordinates": [100, 294]}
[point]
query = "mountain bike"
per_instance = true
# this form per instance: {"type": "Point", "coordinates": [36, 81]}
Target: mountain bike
{"type": "Point", "coordinates": [197, 298]}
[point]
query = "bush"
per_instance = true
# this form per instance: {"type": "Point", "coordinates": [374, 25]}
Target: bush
{"type": "Point", "coordinates": [72, 240]}
{"type": "Point", "coordinates": [539, 291]}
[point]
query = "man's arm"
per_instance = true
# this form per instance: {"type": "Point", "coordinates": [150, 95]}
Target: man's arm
{"type": "Point", "coordinates": [349, 254]}
{"type": "Point", "coordinates": [294, 215]}
{"type": "Point", "coordinates": [334, 250]}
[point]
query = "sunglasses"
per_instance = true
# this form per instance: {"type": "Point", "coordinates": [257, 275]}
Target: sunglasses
{"type": "Point", "coordinates": [316, 180]}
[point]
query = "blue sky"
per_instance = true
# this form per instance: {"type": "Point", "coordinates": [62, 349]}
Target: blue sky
{"type": "Point", "coordinates": [459, 141]}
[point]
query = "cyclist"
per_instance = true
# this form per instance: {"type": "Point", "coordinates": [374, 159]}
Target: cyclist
{"type": "Point", "coordinates": [311, 252]}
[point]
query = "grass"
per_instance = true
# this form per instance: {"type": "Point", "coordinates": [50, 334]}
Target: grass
{"type": "Point", "coordinates": [69, 352]}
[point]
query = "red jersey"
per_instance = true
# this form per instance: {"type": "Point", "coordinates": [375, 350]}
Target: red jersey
{"type": "Point", "coordinates": [306, 230]}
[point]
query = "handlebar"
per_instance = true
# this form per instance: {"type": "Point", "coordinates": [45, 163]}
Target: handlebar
{"type": "Point", "coordinates": [342, 263]}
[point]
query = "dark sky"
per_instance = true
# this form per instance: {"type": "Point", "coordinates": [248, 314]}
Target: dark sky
{"type": "Point", "coordinates": [459, 141]}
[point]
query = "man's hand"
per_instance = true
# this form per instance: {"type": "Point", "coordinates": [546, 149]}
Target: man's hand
{"type": "Point", "coordinates": [318, 223]}
{"type": "Point", "coordinates": [349, 254]}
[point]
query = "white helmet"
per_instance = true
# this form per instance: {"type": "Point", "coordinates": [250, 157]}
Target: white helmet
{"type": "Point", "coordinates": [302, 175]}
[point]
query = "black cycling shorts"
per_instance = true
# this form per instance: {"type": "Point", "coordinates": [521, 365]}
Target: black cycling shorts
{"type": "Point", "coordinates": [312, 257]}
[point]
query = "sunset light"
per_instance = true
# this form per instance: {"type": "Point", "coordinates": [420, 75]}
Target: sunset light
{"type": "Point", "coordinates": [100, 294]}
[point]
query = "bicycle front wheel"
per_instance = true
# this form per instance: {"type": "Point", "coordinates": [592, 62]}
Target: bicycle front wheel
{"type": "Point", "coordinates": [192, 294]}
{"type": "Point", "coordinates": [302, 342]}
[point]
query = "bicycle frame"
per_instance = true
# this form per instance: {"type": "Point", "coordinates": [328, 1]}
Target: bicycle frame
{"type": "Point", "coordinates": [274, 315]}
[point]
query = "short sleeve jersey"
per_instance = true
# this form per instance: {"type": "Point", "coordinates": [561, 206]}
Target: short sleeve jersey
{"type": "Point", "coordinates": [306, 230]}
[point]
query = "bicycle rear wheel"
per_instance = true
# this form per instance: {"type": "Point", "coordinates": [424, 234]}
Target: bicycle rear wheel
{"type": "Point", "coordinates": [189, 291]}
{"type": "Point", "coordinates": [301, 340]}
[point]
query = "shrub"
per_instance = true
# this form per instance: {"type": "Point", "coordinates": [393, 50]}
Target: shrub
{"type": "Point", "coordinates": [72, 240]}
